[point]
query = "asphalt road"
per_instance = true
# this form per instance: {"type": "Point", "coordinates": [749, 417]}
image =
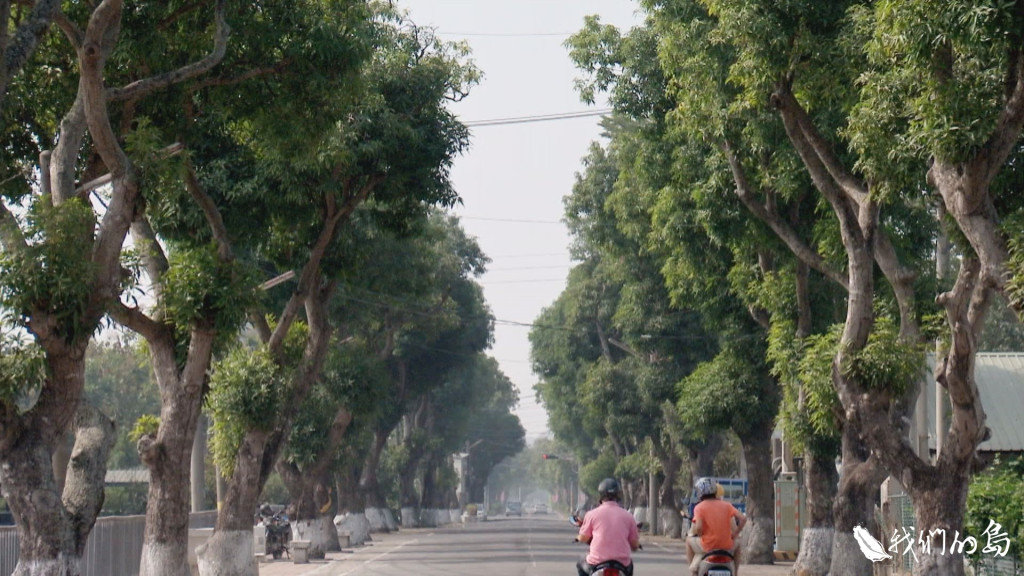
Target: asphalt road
{"type": "Point", "coordinates": [538, 545]}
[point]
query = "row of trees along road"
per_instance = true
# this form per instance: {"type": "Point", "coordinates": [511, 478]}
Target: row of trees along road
{"type": "Point", "coordinates": [234, 142]}
{"type": "Point", "coordinates": [797, 201]}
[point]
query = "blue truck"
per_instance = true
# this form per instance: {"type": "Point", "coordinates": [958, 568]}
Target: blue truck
{"type": "Point", "coordinates": [735, 492]}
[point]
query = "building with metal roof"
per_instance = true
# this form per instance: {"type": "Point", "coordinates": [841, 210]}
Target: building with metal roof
{"type": "Point", "coordinates": [1000, 379]}
{"type": "Point", "coordinates": [129, 476]}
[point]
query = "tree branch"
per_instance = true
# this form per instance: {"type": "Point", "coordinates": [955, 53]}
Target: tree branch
{"type": "Point", "coordinates": [20, 48]}
{"type": "Point", "coordinates": [310, 274]}
{"type": "Point", "coordinates": [902, 280]}
{"type": "Point", "coordinates": [11, 237]}
{"type": "Point", "coordinates": [93, 57]}
{"type": "Point", "coordinates": [136, 321]}
{"type": "Point", "coordinates": [65, 154]}
{"type": "Point", "coordinates": [993, 154]}
{"type": "Point", "coordinates": [812, 162]}
{"type": "Point", "coordinates": [781, 229]}
{"type": "Point", "coordinates": [141, 88]}
{"type": "Point", "coordinates": [233, 80]}
{"type": "Point", "coordinates": [847, 182]}
{"type": "Point", "coordinates": [71, 30]}
{"type": "Point", "coordinates": [210, 211]}
{"type": "Point", "coordinates": [153, 255]}
{"type": "Point", "coordinates": [259, 322]}
{"type": "Point", "coordinates": [83, 490]}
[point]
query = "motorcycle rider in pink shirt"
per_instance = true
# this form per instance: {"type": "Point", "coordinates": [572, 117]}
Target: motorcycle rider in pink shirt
{"type": "Point", "coordinates": [610, 530]}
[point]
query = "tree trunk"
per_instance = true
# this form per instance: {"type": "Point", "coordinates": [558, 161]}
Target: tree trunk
{"type": "Point", "coordinates": [671, 520]}
{"type": "Point", "coordinates": [310, 492]}
{"type": "Point", "coordinates": [854, 506]}
{"type": "Point", "coordinates": [347, 481]}
{"type": "Point", "coordinates": [702, 458]}
{"type": "Point", "coordinates": [369, 486]}
{"type": "Point", "coordinates": [433, 497]}
{"type": "Point", "coordinates": [351, 506]}
{"type": "Point", "coordinates": [169, 455]}
{"type": "Point", "coordinates": [229, 552]}
{"type": "Point", "coordinates": [408, 497]}
{"type": "Point", "coordinates": [46, 541]}
{"type": "Point", "coordinates": [939, 504]}
{"type": "Point", "coordinates": [820, 479]}
{"type": "Point", "coordinates": [53, 530]}
{"type": "Point", "coordinates": [759, 534]}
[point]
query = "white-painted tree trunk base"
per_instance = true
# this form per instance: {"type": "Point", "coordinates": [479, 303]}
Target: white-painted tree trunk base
{"type": "Point", "coordinates": [430, 517]}
{"type": "Point", "coordinates": [409, 519]}
{"type": "Point", "coordinates": [378, 520]}
{"type": "Point", "coordinates": [60, 565]}
{"type": "Point", "coordinates": [228, 553]}
{"type": "Point", "coordinates": [669, 523]}
{"type": "Point", "coordinates": [847, 559]}
{"type": "Point", "coordinates": [357, 526]}
{"type": "Point", "coordinates": [815, 556]}
{"type": "Point", "coordinates": [936, 564]}
{"type": "Point", "coordinates": [390, 521]}
{"type": "Point", "coordinates": [640, 514]}
{"type": "Point", "coordinates": [331, 532]}
{"type": "Point", "coordinates": [454, 515]}
{"type": "Point", "coordinates": [164, 560]}
{"type": "Point", "coordinates": [312, 531]}
{"type": "Point", "coordinates": [758, 540]}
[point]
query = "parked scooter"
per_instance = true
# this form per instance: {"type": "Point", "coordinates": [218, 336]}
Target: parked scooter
{"type": "Point", "coordinates": [279, 535]}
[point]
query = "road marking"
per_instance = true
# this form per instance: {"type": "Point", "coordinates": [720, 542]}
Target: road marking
{"type": "Point", "coordinates": [379, 556]}
{"type": "Point", "coordinates": [665, 548]}
{"type": "Point", "coordinates": [529, 543]}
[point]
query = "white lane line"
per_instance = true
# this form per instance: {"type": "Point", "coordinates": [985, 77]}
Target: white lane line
{"type": "Point", "coordinates": [665, 548]}
{"type": "Point", "coordinates": [379, 556]}
{"type": "Point", "coordinates": [529, 544]}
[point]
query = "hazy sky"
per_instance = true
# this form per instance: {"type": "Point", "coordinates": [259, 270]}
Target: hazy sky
{"type": "Point", "coordinates": [514, 176]}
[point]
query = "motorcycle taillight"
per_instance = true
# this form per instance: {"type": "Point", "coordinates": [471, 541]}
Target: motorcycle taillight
{"type": "Point", "coordinates": [611, 572]}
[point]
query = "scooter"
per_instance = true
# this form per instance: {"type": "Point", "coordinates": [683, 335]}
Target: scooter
{"type": "Point", "coordinates": [609, 568]}
{"type": "Point", "coordinates": [279, 535]}
{"type": "Point", "coordinates": [716, 563]}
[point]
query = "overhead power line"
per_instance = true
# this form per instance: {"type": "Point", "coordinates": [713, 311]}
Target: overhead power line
{"type": "Point", "coordinates": [505, 34]}
{"type": "Point", "coordinates": [538, 118]}
{"type": "Point", "coordinates": [514, 220]}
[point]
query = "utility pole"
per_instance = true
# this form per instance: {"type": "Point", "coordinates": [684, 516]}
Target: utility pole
{"type": "Point", "coordinates": [652, 497]}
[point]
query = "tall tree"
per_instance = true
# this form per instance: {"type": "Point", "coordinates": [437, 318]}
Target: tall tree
{"type": "Point", "coordinates": [62, 271]}
{"type": "Point", "coordinates": [392, 145]}
{"type": "Point", "coordinates": [202, 290]}
{"type": "Point", "coordinates": [646, 199]}
{"type": "Point", "coordinates": [952, 113]}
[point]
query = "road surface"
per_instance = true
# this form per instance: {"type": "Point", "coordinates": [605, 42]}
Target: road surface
{"type": "Point", "coordinates": [534, 545]}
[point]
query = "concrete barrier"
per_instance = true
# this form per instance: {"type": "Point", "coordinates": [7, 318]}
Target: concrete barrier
{"type": "Point", "coordinates": [300, 551]}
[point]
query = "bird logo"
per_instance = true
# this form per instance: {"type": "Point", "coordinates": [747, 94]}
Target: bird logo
{"type": "Point", "coordinates": [871, 548]}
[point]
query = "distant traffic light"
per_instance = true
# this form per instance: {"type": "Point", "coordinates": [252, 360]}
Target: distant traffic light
{"type": "Point", "coordinates": [549, 456]}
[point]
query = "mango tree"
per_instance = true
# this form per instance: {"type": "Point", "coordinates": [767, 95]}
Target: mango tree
{"type": "Point", "coordinates": [391, 143]}
{"type": "Point", "coordinates": [62, 266]}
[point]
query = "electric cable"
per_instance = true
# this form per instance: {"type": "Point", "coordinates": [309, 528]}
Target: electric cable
{"type": "Point", "coordinates": [537, 118]}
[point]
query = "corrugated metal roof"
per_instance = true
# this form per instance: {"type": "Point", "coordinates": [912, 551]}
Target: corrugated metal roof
{"type": "Point", "coordinates": [130, 476]}
{"type": "Point", "coordinates": [1000, 378]}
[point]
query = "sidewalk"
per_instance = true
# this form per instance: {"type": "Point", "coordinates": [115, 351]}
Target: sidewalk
{"type": "Point", "coordinates": [285, 567]}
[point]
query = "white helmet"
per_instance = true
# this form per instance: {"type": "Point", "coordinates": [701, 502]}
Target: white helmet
{"type": "Point", "coordinates": [705, 487]}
